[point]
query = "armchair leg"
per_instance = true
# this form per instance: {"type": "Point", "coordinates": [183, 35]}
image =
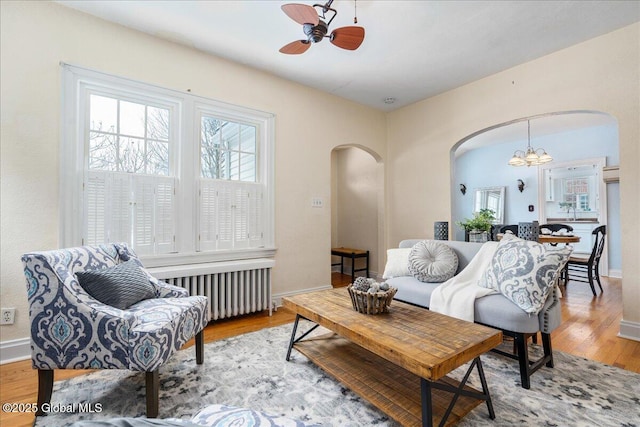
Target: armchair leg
{"type": "Point", "coordinates": [45, 388]}
{"type": "Point", "coordinates": [152, 380]}
{"type": "Point", "coordinates": [200, 347]}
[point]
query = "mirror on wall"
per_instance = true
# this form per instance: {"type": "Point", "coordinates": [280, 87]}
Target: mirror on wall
{"type": "Point", "coordinates": [490, 198]}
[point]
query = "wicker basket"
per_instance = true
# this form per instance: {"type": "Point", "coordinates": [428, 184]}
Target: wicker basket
{"type": "Point", "coordinates": [367, 303]}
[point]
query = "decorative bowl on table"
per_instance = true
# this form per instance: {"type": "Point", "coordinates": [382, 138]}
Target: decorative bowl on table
{"type": "Point", "coordinates": [370, 297]}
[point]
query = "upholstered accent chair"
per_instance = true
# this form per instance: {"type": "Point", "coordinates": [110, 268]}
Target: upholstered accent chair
{"type": "Point", "coordinates": [71, 329]}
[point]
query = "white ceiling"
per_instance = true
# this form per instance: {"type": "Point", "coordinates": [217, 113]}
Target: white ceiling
{"type": "Point", "coordinates": [412, 49]}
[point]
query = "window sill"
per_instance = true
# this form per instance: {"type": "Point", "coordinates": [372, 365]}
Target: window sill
{"type": "Point", "coordinates": [167, 260]}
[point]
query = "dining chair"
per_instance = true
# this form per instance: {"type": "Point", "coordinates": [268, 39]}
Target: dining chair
{"type": "Point", "coordinates": [512, 228]}
{"type": "Point", "coordinates": [555, 227]}
{"type": "Point", "coordinates": [586, 269]}
{"type": "Point", "coordinates": [529, 230]}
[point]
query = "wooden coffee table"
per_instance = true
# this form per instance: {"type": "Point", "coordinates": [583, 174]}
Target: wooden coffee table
{"type": "Point", "coordinates": [399, 360]}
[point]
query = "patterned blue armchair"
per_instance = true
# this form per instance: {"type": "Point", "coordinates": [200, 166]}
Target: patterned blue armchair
{"type": "Point", "coordinates": [70, 329]}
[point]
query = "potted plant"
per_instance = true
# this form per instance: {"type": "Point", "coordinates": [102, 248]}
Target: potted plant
{"type": "Point", "coordinates": [478, 226]}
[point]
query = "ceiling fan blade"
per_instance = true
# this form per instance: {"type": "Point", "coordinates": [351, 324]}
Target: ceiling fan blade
{"type": "Point", "coordinates": [301, 13]}
{"type": "Point", "coordinates": [296, 48]}
{"type": "Point", "coordinates": [349, 38]}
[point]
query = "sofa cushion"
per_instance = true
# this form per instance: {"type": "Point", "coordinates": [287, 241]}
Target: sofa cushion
{"type": "Point", "coordinates": [413, 291]}
{"type": "Point", "coordinates": [432, 261]}
{"type": "Point", "coordinates": [525, 272]}
{"type": "Point", "coordinates": [397, 263]}
{"type": "Point", "coordinates": [120, 286]}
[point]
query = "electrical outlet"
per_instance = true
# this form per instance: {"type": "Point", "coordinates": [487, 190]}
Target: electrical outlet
{"type": "Point", "coordinates": [7, 316]}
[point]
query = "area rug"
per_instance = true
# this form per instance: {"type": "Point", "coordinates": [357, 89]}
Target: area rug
{"type": "Point", "coordinates": [250, 371]}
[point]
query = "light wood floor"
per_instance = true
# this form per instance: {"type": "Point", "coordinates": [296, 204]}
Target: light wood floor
{"type": "Point", "coordinates": [589, 329]}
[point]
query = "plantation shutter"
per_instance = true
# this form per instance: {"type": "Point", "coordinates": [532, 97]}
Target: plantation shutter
{"type": "Point", "coordinates": [255, 214]}
{"type": "Point", "coordinates": [224, 216]}
{"type": "Point", "coordinates": [95, 198]}
{"type": "Point", "coordinates": [118, 204]}
{"type": "Point", "coordinates": [132, 209]}
{"type": "Point", "coordinates": [207, 220]}
{"type": "Point", "coordinates": [240, 216]}
{"type": "Point", "coordinates": [230, 215]}
{"type": "Point", "coordinates": [143, 207]}
{"type": "Point", "coordinates": [165, 229]}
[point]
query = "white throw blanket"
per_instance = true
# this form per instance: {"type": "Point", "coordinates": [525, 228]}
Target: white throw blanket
{"type": "Point", "coordinates": [456, 297]}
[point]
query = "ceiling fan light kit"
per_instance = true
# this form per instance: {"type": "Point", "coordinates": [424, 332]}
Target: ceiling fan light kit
{"type": "Point", "coordinates": [315, 28]}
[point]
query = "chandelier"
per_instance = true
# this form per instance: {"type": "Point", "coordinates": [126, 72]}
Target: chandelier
{"type": "Point", "coordinates": [531, 157]}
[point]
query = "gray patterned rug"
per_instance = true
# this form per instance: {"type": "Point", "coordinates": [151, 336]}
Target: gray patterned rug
{"type": "Point", "coordinates": [250, 371]}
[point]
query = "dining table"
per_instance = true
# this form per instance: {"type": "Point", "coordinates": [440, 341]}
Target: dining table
{"type": "Point", "coordinates": [558, 238]}
{"type": "Point", "coordinates": [554, 239]}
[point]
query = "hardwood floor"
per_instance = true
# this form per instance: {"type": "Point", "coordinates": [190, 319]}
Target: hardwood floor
{"type": "Point", "coordinates": [589, 329]}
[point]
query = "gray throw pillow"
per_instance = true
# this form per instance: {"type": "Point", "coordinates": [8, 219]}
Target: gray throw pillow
{"type": "Point", "coordinates": [525, 272]}
{"type": "Point", "coordinates": [432, 261]}
{"type": "Point", "coordinates": [119, 286]}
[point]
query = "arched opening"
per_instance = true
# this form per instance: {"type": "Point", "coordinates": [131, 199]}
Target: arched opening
{"type": "Point", "coordinates": [480, 160]}
{"type": "Point", "coordinates": [357, 203]}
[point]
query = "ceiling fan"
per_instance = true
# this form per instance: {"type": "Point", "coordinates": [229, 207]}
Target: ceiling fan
{"type": "Point", "coordinates": [316, 26]}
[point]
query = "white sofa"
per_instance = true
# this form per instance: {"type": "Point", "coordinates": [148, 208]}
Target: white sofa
{"type": "Point", "coordinates": [492, 310]}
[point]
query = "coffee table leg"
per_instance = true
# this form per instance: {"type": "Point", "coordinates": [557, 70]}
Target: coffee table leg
{"type": "Point", "coordinates": [485, 389]}
{"type": "Point", "coordinates": [426, 387]}
{"type": "Point", "coordinates": [427, 408]}
{"type": "Point", "coordinates": [293, 339]}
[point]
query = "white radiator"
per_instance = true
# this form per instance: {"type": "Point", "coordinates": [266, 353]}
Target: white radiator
{"type": "Point", "coordinates": [232, 288]}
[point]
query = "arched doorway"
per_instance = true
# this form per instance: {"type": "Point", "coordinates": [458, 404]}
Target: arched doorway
{"type": "Point", "coordinates": [357, 203]}
{"type": "Point", "coordinates": [480, 160]}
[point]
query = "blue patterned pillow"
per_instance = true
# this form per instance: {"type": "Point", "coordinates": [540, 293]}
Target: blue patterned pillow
{"type": "Point", "coordinates": [119, 286]}
{"type": "Point", "coordinates": [525, 272]}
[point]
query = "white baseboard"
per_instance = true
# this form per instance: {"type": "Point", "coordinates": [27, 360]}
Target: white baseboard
{"type": "Point", "coordinates": [615, 273]}
{"type": "Point", "coordinates": [277, 298]}
{"type": "Point", "coordinates": [14, 350]}
{"type": "Point", "coordinates": [629, 330]}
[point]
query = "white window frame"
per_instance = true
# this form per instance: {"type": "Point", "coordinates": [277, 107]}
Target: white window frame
{"type": "Point", "coordinates": [186, 109]}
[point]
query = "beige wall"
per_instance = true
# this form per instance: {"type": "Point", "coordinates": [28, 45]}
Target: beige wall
{"type": "Point", "coordinates": [357, 191]}
{"type": "Point", "coordinates": [602, 74]}
{"type": "Point", "coordinates": [36, 36]}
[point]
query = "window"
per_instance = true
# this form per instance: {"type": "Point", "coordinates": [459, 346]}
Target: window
{"type": "Point", "coordinates": [576, 193]}
{"type": "Point", "coordinates": [129, 155]}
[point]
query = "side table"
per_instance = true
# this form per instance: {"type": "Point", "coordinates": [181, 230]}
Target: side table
{"type": "Point", "coordinates": [352, 254]}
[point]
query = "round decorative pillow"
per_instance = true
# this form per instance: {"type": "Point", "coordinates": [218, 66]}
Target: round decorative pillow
{"type": "Point", "coordinates": [432, 261]}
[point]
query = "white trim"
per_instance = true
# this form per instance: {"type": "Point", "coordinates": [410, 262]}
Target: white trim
{"type": "Point", "coordinates": [600, 162]}
{"type": "Point", "coordinates": [184, 168]}
{"type": "Point", "coordinates": [15, 350]}
{"type": "Point", "coordinates": [277, 298]}
{"type": "Point", "coordinates": [629, 330]}
{"type": "Point", "coordinates": [210, 268]}
{"type": "Point", "coordinates": [179, 259]}
{"type": "Point", "coordinates": [615, 273]}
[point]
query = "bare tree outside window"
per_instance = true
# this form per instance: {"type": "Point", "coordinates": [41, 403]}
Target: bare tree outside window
{"type": "Point", "coordinates": [213, 162]}
{"type": "Point", "coordinates": [128, 137]}
{"type": "Point", "coordinates": [227, 150]}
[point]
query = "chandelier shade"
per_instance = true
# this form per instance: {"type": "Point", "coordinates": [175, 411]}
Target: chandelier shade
{"type": "Point", "coordinates": [531, 157]}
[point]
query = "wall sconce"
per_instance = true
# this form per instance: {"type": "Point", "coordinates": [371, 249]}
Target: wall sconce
{"type": "Point", "coordinates": [520, 185]}
{"type": "Point", "coordinates": [463, 189]}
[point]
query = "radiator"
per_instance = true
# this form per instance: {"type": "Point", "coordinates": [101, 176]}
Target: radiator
{"type": "Point", "coordinates": [232, 288]}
